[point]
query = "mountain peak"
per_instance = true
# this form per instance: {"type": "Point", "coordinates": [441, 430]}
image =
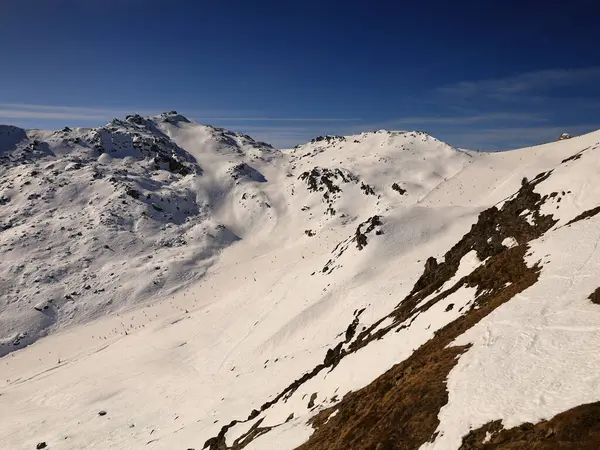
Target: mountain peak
{"type": "Point", "coordinates": [174, 117]}
{"type": "Point", "coordinates": [564, 136]}
{"type": "Point", "coordinates": [449, 297]}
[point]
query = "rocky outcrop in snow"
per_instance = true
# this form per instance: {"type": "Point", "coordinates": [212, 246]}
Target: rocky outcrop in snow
{"type": "Point", "coordinates": [450, 302]}
{"type": "Point", "coordinates": [564, 136]}
{"type": "Point", "coordinates": [97, 220]}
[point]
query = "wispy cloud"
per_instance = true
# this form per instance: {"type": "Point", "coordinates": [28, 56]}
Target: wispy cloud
{"type": "Point", "coordinates": [31, 107]}
{"type": "Point", "coordinates": [514, 111]}
{"type": "Point", "coordinates": [30, 111]}
{"type": "Point", "coordinates": [279, 119]}
{"type": "Point", "coordinates": [506, 138]}
{"type": "Point", "coordinates": [17, 114]}
{"type": "Point", "coordinates": [529, 82]}
{"type": "Point", "coordinates": [498, 113]}
{"type": "Point", "coordinates": [467, 120]}
{"type": "Point", "coordinates": [280, 131]}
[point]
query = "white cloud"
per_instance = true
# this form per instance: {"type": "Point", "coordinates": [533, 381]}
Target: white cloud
{"type": "Point", "coordinates": [536, 81]}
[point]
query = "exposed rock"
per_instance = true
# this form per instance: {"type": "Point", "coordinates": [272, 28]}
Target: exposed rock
{"type": "Point", "coordinates": [327, 139]}
{"type": "Point", "coordinates": [595, 297]}
{"type": "Point", "coordinates": [364, 229]}
{"type": "Point", "coordinates": [43, 305]}
{"type": "Point", "coordinates": [359, 237]}
{"type": "Point", "coordinates": [133, 193]}
{"type": "Point", "coordinates": [585, 215]}
{"type": "Point", "coordinates": [400, 408]}
{"type": "Point", "coordinates": [398, 189]}
{"type": "Point", "coordinates": [311, 402]}
{"type": "Point", "coordinates": [328, 181]}
{"type": "Point", "coordinates": [73, 166]}
{"type": "Point", "coordinates": [564, 136]}
{"type": "Point", "coordinates": [368, 190]}
{"type": "Point", "coordinates": [245, 171]}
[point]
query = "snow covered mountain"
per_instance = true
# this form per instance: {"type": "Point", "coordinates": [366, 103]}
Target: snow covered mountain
{"type": "Point", "coordinates": [94, 220]}
{"type": "Point", "coordinates": [380, 291]}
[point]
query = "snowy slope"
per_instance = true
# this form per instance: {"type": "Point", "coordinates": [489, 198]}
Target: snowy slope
{"type": "Point", "coordinates": [96, 220]}
{"type": "Point", "coordinates": [382, 290]}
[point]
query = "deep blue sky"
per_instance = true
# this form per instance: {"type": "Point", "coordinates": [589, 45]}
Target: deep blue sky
{"type": "Point", "coordinates": [478, 74]}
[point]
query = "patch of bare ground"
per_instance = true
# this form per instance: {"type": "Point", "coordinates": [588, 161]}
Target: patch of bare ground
{"type": "Point", "coordinates": [359, 237]}
{"type": "Point", "coordinates": [321, 179]}
{"type": "Point", "coordinates": [585, 215]}
{"type": "Point", "coordinates": [575, 429]}
{"type": "Point", "coordinates": [485, 237]}
{"type": "Point", "coordinates": [399, 409]}
{"type": "Point", "coordinates": [595, 299]}
{"type": "Point", "coordinates": [574, 157]}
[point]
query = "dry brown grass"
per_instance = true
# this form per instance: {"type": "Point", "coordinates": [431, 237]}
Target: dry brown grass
{"type": "Point", "coordinates": [585, 215]}
{"type": "Point", "coordinates": [575, 429]}
{"type": "Point", "coordinates": [399, 409]}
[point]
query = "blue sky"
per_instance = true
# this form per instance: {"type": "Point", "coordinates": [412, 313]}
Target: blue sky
{"type": "Point", "coordinates": [483, 75]}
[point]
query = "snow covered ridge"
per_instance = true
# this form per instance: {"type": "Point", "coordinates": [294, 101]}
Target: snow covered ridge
{"type": "Point", "coordinates": [95, 220]}
{"type": "Point", "coordinates": [382, 290]}
{"type": "Point", "coordinates": [403, 407]}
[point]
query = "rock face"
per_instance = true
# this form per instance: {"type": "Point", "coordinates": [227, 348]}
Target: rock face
{"type": "Point", "coordinates": [564, 136]}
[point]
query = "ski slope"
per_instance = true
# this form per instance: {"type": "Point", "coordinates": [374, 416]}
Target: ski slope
{"type": "Point", "coordinates": [298, 293]}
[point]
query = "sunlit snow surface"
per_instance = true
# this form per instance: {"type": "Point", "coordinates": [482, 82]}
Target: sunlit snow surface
{"type": "Point", "coordinates": [244, 308]}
